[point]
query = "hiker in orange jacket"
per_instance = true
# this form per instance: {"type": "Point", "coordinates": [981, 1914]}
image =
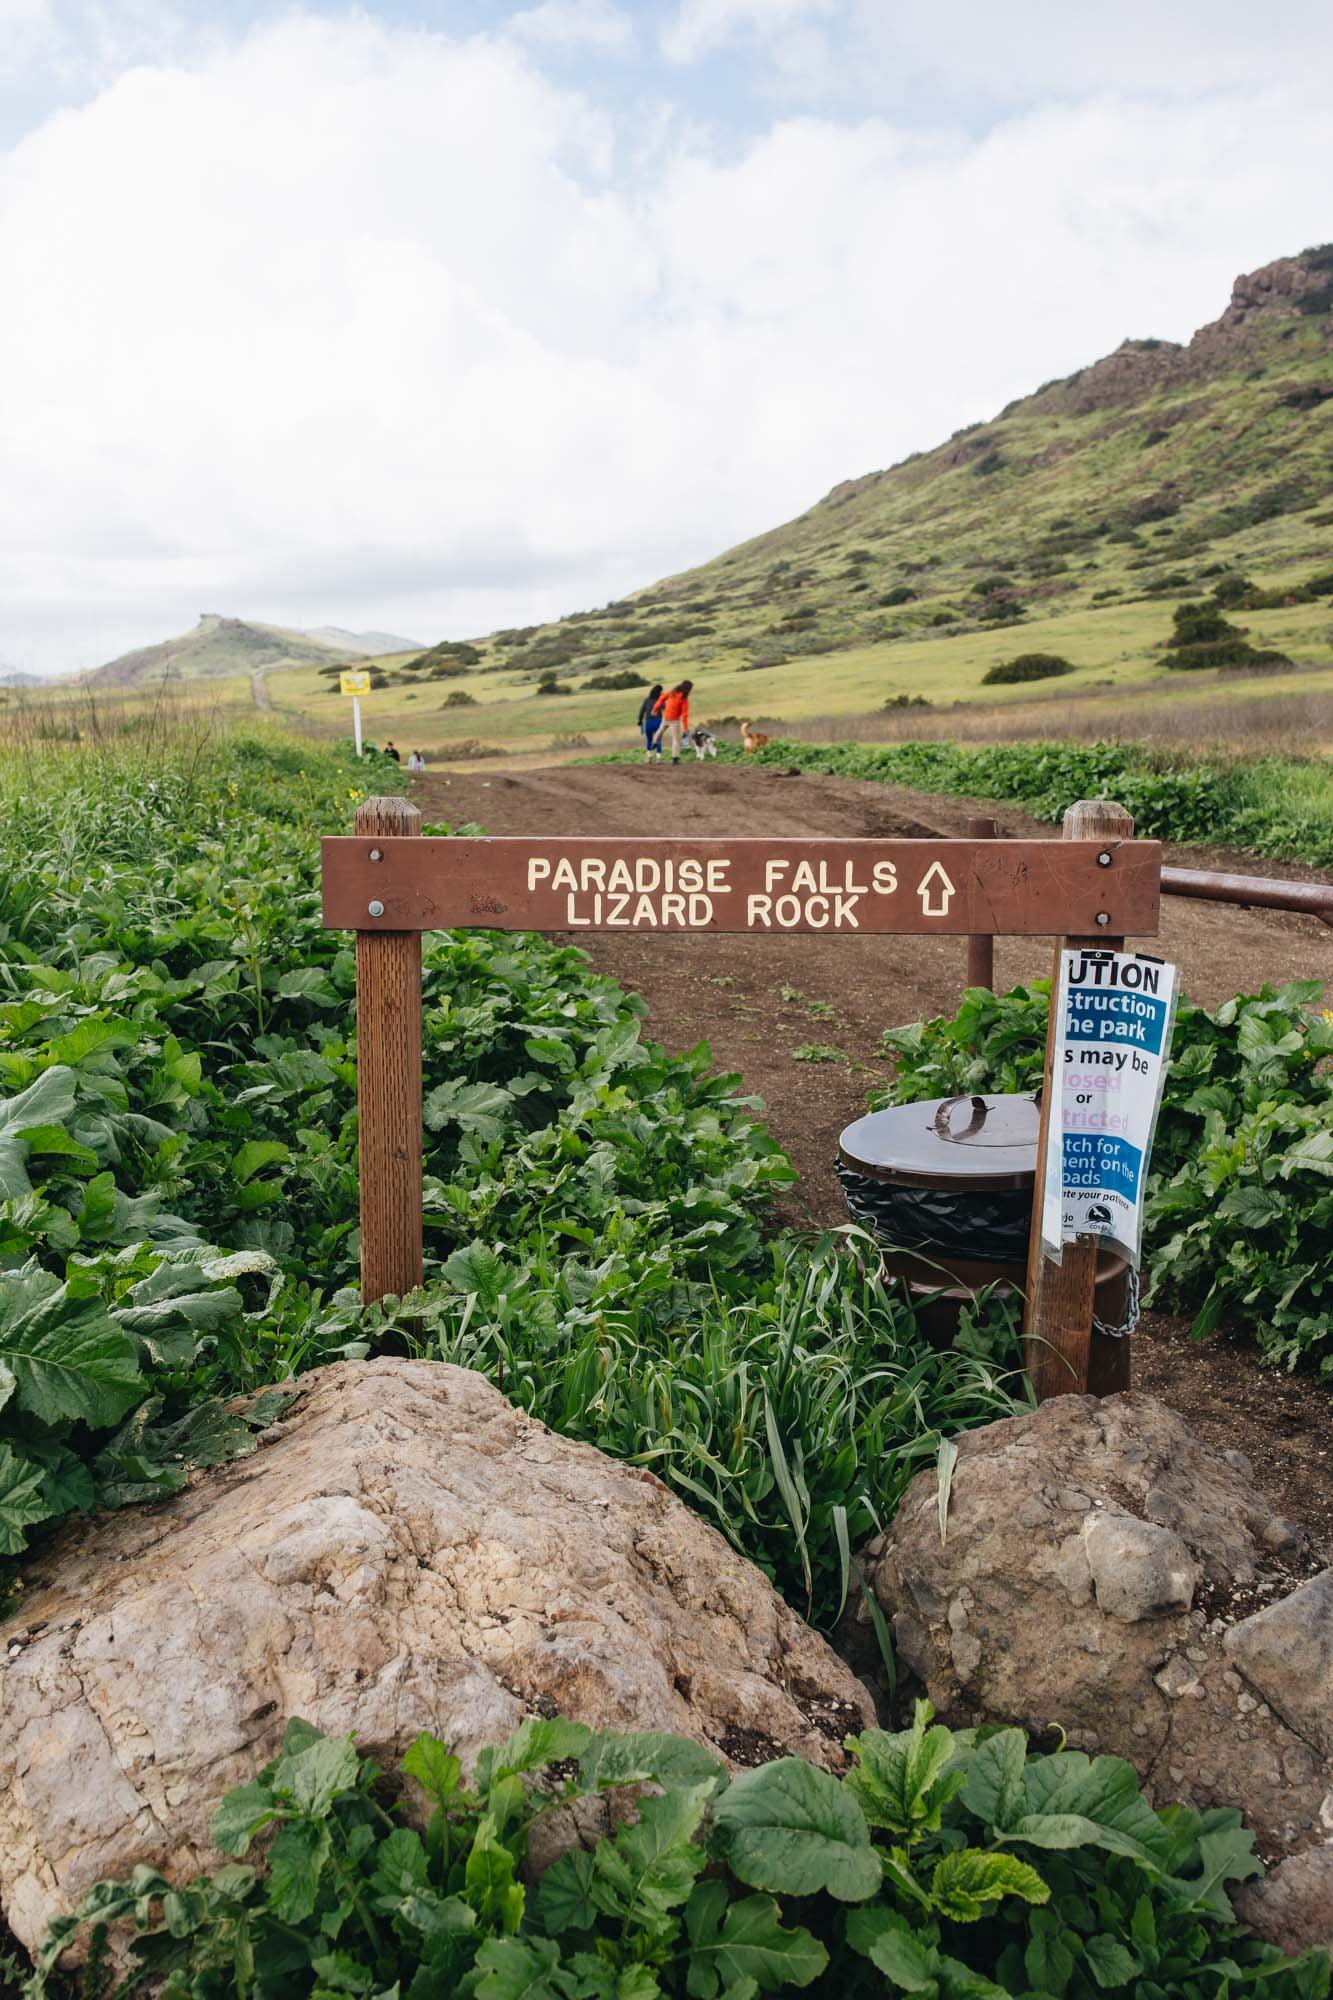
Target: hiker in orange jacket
{"type": "Point", "coordinates": [674, 709]}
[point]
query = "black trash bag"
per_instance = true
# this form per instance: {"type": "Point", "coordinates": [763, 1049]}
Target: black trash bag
{"type": "Point", "coordinates": [987, 1224]}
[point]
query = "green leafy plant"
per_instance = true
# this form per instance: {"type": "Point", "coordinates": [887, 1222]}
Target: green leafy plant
{"type": "Point", "coordinates": [1280, 806]}
{"type": "Point", "coordinates": [1240, 1199]}
{"type": "Point", "coordinates": [960, 1866]}
{"type": "Point", "coordinates": [178, 1073]}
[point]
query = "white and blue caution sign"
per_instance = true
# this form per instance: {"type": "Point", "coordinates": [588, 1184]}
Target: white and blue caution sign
{"type": "Point", "coordinates": [1114, 1011]}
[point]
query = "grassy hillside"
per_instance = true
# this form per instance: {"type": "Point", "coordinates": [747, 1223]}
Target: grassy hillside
{"type": "Point", "coordinates": [219, 646]}
{"type": "Point", "coordinates": [1074, 523]}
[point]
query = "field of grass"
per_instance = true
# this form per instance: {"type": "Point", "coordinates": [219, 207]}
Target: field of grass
{"type": "Point", "coordinates": [1117, 654]}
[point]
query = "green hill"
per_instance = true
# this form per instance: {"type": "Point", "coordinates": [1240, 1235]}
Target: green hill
{"type": "Point", "coordinates": [219, 646]}
{"type": "Point", "coordinates": [1145, 474]}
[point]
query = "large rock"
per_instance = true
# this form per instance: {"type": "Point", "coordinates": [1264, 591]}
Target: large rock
{"type": "Point", "coordinates": [1286, 1651]}
{"type": "Point", "coordinates": [1292, 1905]}
{"type": "Point", "coordinates": [1097, 1557]}
{"type": "Point", "coordinates": [408, 1552]}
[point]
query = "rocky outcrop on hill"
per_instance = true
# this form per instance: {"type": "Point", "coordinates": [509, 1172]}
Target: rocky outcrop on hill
{"type": "Point", "coordinates": [1289, 288]}
{"type": "Point", "coordinates": [407, 1552]}
{"type": "Point", "coordinates": [1104, 1571]}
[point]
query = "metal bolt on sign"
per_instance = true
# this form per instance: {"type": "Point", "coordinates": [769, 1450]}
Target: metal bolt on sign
{"type": "Point", "coordinates": [981, 888]}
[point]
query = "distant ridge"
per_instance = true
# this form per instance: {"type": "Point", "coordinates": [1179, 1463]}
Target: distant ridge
{"type": "Point", "coordinates": [219, 646]}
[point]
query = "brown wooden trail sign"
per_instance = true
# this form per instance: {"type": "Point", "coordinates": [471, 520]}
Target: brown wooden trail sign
{"type": "Point", "coordinates": [388, 884]}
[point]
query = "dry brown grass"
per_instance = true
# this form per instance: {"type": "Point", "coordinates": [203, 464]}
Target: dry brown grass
{"type": "Point", "coordinates": [1292, 724]}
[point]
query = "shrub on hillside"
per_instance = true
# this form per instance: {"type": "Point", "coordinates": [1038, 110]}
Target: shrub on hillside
{"type": "Point", "coordinates": [455, 656]}
{"type": "Point", "coordinates": [627, 677]}
{"type": "Point", "coordinates": [1226, 653]}
{"type": "Point", "coordinates": [1026, 667]}
{"type": "Point", "coordinates": [900, 594]}
{"type": "Point", "coordinates": [1204, 638]}
{"type": "Point", "coordinates": [459, 698]}
{"type": "Point", "coordinates": [1200, 624]}
{"type": "Point", "coordinates": [548, 684]}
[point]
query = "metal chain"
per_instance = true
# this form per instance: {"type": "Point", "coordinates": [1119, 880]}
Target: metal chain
{"type": "Point", "coordinates": [1131, 1311]}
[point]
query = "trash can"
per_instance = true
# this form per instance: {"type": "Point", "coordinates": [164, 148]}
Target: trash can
{"type": "Point", "coordinates": [946, 1185]}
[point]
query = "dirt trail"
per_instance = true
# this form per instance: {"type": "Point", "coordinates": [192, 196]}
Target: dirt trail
{"type": "Point", "coordinates": [762, 1001]}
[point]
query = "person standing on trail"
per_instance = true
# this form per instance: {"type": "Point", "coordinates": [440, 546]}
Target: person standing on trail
{"type": "Point", "coordinates": [674, 709]}
{"type": "Point", "coordinates": [651, 724]}
{"type": "Point", "coordinates": [416, 762]}
{"type": "Point", "coordinates": [391, 750]}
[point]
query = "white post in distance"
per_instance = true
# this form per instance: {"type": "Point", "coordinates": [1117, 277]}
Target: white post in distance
{"type": "Point", "coordinates": [355, 685]}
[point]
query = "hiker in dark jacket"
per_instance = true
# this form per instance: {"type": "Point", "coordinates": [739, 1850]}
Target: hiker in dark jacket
{"type": "Point", "coordinates": [651, 724]}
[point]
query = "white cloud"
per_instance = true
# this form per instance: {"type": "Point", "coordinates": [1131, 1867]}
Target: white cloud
{"type": "Point", "coordinates": [1018, 52]}
{"type": "Point", "coordinates": [575, 24]}
{"type": "Point", "coordinates": [344, 324]}
{"type": "Point", "coordinates": [701, 27]}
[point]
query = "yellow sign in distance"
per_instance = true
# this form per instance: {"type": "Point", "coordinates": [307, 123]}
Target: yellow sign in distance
{"type": "Point", "coordinates": [354, 683]}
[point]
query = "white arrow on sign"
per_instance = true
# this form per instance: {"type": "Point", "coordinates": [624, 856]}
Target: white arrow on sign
{"type": "Point", "coordinates": [935, 872]}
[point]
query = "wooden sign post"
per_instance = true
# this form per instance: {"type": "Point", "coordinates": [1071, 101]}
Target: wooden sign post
{"type": "Point", "coordinates": [388, 884]}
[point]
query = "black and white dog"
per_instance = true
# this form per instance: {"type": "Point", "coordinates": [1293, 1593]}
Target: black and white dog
{"type": "Point", "coordinates": [704, 741]}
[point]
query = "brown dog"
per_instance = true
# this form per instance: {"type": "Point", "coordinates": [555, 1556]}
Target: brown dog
{"type": "Point", "coordinates": [753, 739]}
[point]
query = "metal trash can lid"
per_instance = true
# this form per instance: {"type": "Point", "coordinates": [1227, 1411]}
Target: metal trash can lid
{"type": "Point", "coordinates": [954, 1142]}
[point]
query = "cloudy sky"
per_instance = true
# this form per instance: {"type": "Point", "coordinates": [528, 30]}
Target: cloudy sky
{"type": "Point", "coordinates": [435, 315]}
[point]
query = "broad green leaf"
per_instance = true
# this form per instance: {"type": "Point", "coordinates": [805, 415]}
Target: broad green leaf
{"type": "Point", "coordinates": [22, 1500]}
{"type": "Point", "coordinates": [889, 1942]}
{"type": "Point", "coordinates": [647, 1757]}
{"type": "Point", "coordinates": [339, 1973]}
{"type": "Point", "coordinates": [476, 1268]}
{"type": "Point", "coordinates": [48, 1100]}
{"type": "Point", "coordinates": [794, 1830]}
{"type": "Point", "coordinates": [97, 1212]}
{"type": "Point", "coordinates": [993, 1784]}
{"type": "Point", "coordinates": [400, 1864]}
{"type": "Point", "coordinates": [313, 1776]}
{"type": "Point", "coordinates": [521, 1969]}
{"type": "Point", "coordinates": [485, 1109]}
{"type": "Point", "coordinates": [489, 1879]}
{"type": "Point", "coordinates": [968, 1881]}
{"type": "Point", "coordinates": [653, 1863]}
{"type": "Point", "coordinates": [734, 1942]}
{"type": "Point", "coordinates": [1108, 1961]}
{"type": "Point", "coordinates": [564, 1895]}
{"type": "Point", "coordinates": [1071, 1800]}
{"type": "Point", "coordinates": [900, 1781]}
{"type": "Point", "coordinates": [435, 1769]}
{"type": "Point", "coordinates": [254, 1155]}
{"type": "Point", "coordinates": [65, 1355]}
{"type": "Point", "coordinates": [296, 1861]}
{"type": "Point", "coordinates": [437, 1916]}
{"type": "Point", "coordinates": [239, 1816]}
{"type": "Point", "coordinates": [535, 1743]}
{"type": "Point", "coordinates": [309, 982]}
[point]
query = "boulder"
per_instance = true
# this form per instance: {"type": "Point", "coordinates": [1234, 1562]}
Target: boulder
{"type": "Point", "coordinates": [1105, 1571]}
{"type": "Point", "coordinates": [1286, 1652]}
{"type": "Point", "coordinates": [1292, 1905]}
{"type": "Point", "coordinates": [407, 1552]}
